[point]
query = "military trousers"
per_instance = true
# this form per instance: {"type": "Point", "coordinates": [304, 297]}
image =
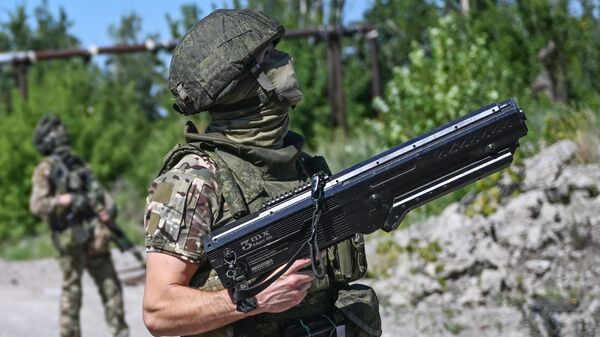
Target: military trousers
{"type": "Point", "coordinates": [73, 261]}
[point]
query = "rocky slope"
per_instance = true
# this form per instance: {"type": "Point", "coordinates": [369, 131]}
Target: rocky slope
{"type": "Point", "coordinates": [530, 268]}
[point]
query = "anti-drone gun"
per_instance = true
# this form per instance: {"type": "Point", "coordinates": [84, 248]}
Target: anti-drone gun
{"type": "Point", "coordinates": [372, 195]}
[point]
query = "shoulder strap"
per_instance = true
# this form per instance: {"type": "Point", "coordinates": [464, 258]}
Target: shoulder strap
{"type": "Point", "coordinates": [58, 172]}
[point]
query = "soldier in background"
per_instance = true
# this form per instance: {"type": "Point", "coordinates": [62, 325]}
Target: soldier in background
{"type": "Point", "coordinates": [227, 65]}
{"type": "Point", "coordinates": [67, 196]}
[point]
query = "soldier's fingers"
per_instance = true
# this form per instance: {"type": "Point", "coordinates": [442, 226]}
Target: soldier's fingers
{"type": "Point", "coordinates": [297, 265]}
{"type": "Point", "coordinates": [305, 286]}
{"type": "Point", "coordinates": [301, 295]}
{"type": "Point", "coordinates": [297, 279]}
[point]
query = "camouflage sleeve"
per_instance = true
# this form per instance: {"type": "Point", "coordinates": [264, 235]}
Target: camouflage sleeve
{"type": "Point", "coordinates": [42, 202]}
{"type": "Point", "coordinates": [181, 207]}
{"type": "Point", "coordinates": [97, 195]}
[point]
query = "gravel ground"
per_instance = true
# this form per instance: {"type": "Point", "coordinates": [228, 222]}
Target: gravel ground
{"type": "Point", "coordinates": [30, 291]}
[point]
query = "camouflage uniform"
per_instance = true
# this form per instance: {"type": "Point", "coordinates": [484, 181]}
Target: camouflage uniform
{"type": "Point", "coordinates": [246, 156]}
{"type": "Point", "coordinates": [79, 237]}
{"type": "Point", "coordinates": [195, 195]}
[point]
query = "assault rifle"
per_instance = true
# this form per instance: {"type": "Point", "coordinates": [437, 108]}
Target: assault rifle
{"type": "Point", "coordinates": [372, 195]}
{"type": "Point", "coordinates": [81, 209]}
{"type": "Point", "coordinates": [123, 243]}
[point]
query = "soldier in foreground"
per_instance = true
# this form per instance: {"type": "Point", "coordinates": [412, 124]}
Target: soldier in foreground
{"type": "Point", "coordinates": [227, 65]}
{"type": "Point", "coordinates": [76, 207]}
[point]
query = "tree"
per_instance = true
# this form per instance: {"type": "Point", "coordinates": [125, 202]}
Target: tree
{"type": "Point", "coordinates": [457, 70]}
{"type": "Point", "coordinates": [400, 23]}
{"type": "Point", "coordinates": [190, 15]}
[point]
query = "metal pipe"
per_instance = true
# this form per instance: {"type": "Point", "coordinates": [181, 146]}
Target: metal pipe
{"type": "Point", "coordinates": [153, 45]}
{"type": "Point", "coordinates": [332, 34]}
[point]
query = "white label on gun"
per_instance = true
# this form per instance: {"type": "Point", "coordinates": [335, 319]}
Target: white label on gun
{"type": "Point", "coordinates": [262, 265]}
{"type": "Point", "coordinates": [256, 240]}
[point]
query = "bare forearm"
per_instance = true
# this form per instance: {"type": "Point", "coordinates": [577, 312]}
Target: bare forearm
{"type": "Point", "coordinates": [187, 311]}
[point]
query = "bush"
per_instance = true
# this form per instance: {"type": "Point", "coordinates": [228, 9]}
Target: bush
{"type": "Point", "coordinates": [455, 74]}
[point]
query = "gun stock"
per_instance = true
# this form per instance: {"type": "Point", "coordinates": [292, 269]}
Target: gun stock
{"type": "Point", "coordinates": [372, 195]}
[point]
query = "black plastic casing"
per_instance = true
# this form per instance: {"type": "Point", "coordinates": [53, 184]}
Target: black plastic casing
{"type": "Point", "coordinates": [374, 194]}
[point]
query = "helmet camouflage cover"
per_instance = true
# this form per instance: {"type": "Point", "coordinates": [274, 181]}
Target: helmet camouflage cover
{"type": "Point", "coordinates": [49, 134]}
{"type": "Point", "coordinates": [213, 54]}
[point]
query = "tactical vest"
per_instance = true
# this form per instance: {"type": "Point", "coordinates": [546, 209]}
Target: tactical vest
{"type": "Point", "coordinates": [73, 224]}
{"type": "Point", "coordinates": [248, 177]}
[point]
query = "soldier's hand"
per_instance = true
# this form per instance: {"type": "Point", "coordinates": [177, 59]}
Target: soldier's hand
{"type": "Point", "coordinates": [104, 216]}
{"type": "Point", "coordinates": [65, 199]}
{"type": "Point", "coordinates": [287, 291]}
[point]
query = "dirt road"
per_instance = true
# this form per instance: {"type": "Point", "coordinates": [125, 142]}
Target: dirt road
{"type": "Point", "coordinates": [29, 298]}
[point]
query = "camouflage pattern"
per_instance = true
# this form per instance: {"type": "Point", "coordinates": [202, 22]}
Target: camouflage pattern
{"type": "Point", "coordinates": [359, 304]}
{"type": "Point", "coordinates": [181, 207]}
{"type": "Point", "coordinates": [265, 122]}
{"type": "Point", "coordinates": [102, 271]}
{"type": "Point", "coordinates": [246, 157]}
{"type": "Point", "coordinates": [211, 56]}
{"type": "Point", "coordinates": [190, 198]}
{"type": "Point", "coordinates": [79, 237]}
{"type": "Point", "coordinates": [49, 134]}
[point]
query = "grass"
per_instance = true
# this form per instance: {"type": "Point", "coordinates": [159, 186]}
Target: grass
{"type": "Point", "coordinates": [28, 248]}
{"type": "Point", "coordinates": [37, 247]}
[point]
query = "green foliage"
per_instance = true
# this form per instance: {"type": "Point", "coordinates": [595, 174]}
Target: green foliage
{"type": "Point", "coordinates": [28, 248]}
{"type": "Point", "coordinates": [567, 124]}
{"type": "Point", "coordinates": [460, 73]}
{"type": "Point", "coordinates": [436, 63]}
{"type": "Point", "coordinates": [348, 150]}
{"type": "Point", "coordinates": [17, 34]}
{"type": "Point", "coordinates": [109, 114]}
{"type": "Point", "coordinates": [400, 23]}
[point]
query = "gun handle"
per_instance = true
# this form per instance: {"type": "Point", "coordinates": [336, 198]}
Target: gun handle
{"type": "Point", "coordinates": [482, 168]}
{"type": "Point", "coordinates": [394, 218]}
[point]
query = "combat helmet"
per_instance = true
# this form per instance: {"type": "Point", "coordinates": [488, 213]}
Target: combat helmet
{"type": "Point", "coordinates": [213, 54]}
{"type": "Point", "coordinates": [49, 134]}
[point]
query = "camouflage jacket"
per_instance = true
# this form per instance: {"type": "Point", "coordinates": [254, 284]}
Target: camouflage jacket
{"type": "Point", "coordinates": [189, 199]}
{"type": "Point", "coordinates": [52, 177]}
{"type": "Point", "coordinates": [181, 207]}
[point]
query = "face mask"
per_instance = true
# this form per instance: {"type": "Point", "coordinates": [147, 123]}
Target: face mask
{"type": "Point", "coordinates": [280, 71]}
{"type": "Point", "coordinates": [265, 122]}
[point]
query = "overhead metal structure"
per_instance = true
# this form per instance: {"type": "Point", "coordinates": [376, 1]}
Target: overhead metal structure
{"type": "Point", "coordinates": [331, 35]}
